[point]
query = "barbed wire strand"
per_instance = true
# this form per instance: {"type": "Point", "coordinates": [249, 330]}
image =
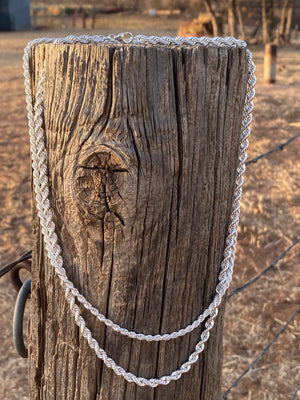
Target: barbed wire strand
{"type": "Point", "coordinates": [272, 265]}
{"type": "Point", "coordinates": [295, 394]}
{"type": "Point", "coordinates": [26, 256]}
{"type": "Point", "coordinates": [261, 354]}
{"type": "Point", "coordinates": [277, 148]}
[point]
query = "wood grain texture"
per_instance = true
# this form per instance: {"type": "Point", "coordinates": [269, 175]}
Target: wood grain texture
{"type": "Point", "coordinates": [142, 148]}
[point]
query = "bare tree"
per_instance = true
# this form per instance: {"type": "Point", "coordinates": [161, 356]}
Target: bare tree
{"type": "Point", "coordinates": [235, 18]}
{"type": "Point", "coordinates": [211, 12]}
{"type": "Point", "coordinates": [284, 30]}
{"type": "Point", "coordinates": [265, 22]}
{"type": "Point", "coordinates": [270, 19]}
{"type": "Point", "coordinates": [231, 17]}
{"type": "Point", "coordinates": [240, 19]}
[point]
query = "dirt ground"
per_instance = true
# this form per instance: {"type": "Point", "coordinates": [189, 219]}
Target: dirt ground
{"type": "Point", "coordinates": [270, 222]}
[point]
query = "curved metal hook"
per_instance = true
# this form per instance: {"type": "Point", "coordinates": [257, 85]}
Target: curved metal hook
{"type": "Point", "coordinates": [26, 256]}
{"type": "Point", "coordinates": [18, 319]}
{"type": "Point", "coordinates": [15, 274]}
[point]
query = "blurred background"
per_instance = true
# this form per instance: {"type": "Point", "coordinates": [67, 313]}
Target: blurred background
{"type": "Point", "coordinates": [257, 21]}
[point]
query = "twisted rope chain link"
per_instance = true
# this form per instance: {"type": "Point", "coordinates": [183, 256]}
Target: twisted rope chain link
{"type": "Point", "coordinates": [40, 179]}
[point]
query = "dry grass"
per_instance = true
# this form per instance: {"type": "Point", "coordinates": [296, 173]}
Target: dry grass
{"type": "Point", "coordinates": [269, 223]}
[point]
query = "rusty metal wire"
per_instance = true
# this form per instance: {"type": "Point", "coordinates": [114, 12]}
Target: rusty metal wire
{"type": "Point", "coordinates": [7, 268]}
{"type": "Point", "coordinates": [277, 148]}
{"type": "Point", "coordinates": [295, 394]}
{"type": "Point", "coordinates": [272, 265]}
{"type": "Point", "coordinates": [261, 354]}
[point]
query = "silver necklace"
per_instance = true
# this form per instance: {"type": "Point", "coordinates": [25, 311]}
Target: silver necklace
{"type": "Point", "coordinates": [40, 180]}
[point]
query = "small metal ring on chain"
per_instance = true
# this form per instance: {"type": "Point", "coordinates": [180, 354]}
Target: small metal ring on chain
{"type": "Point", "coordinates": [18, 319]}
{"type": "Point", "coordinates": [40, 178]}
{"type": "Point", "coordinates": [125, 37]}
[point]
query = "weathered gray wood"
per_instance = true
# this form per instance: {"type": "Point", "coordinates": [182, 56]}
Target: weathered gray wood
{"type": "Point", "coordinates": [142, 149]}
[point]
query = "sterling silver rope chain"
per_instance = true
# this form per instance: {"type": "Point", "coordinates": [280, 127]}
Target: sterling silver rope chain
{"type": "Point", "coordinates": [40, 180]}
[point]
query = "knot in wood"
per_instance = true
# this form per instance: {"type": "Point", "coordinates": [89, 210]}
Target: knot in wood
{"type": "Point", "coordinates": [100, 181]}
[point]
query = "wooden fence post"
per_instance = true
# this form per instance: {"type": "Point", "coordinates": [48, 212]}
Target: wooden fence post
{"type": "Point", "coordinates": [270, 63]}
{"type": "Point", "coordinates": [142, 145]}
